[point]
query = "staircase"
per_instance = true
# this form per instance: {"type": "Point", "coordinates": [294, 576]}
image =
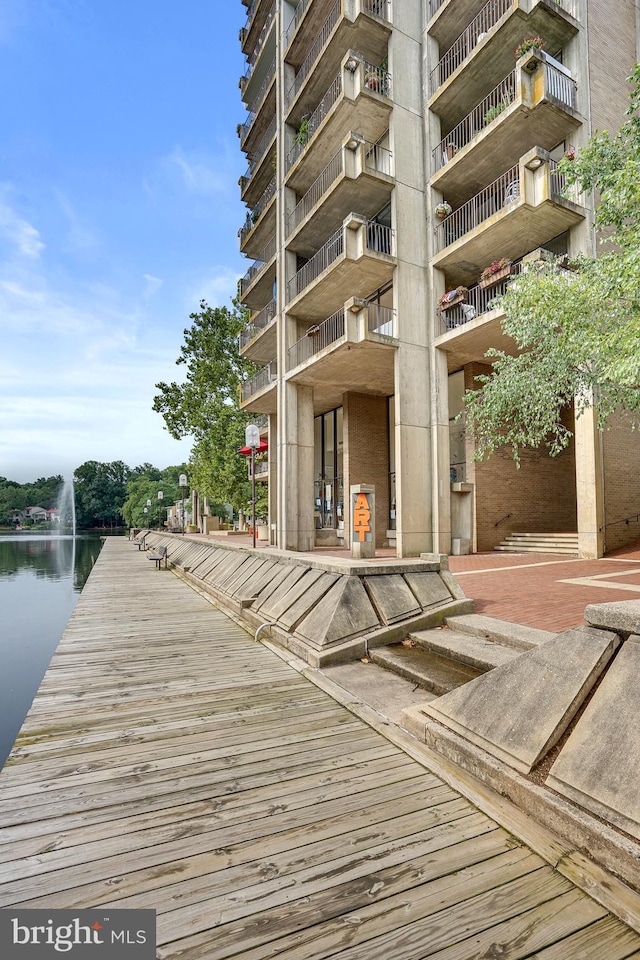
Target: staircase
{"type": "Point", "coordinates": [443, 658]}
{"type": "Point", "coordinates": [564, 543]}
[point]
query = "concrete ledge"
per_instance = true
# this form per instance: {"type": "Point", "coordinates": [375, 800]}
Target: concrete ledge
{"type": "Point", "coordinates": [622, 616]}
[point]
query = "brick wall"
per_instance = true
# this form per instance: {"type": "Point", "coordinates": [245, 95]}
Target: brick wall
{"type": "Point", "coordinates": [540, 496]}
{"type": "Point", "coordinates": [621, 465]}
{"type": "Point", "coordinates": [366, 452]}
{"type": "Point", "coordinates": [612, 53]}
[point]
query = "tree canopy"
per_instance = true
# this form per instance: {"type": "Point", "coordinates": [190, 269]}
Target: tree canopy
{"type": "Point", "coordinates": [206, 405]}
{"type": "Point", "coordinates": [43, 492]}
{"type": "Point", "coordinates": [578, 331]}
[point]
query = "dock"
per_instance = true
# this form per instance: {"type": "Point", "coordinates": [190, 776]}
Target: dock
{"type": "Point", "coordinates": [170, 762]}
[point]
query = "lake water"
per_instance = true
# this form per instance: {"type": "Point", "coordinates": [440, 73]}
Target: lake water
{"type": "Point", "coordinates": [40, 579]}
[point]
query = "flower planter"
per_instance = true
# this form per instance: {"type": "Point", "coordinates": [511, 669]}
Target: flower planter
{"type": "Point", "coordinates": [461, 298]}
{"type": "Point", "coordinates": [496, 277]}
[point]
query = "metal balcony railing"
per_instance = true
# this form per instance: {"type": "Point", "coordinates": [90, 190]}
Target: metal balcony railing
{"type": "Point", "coordinates": [434, 6]}
{"type": "Point", "coordinates": [316, 119]}
{"type": "Point", "coordinates": [298, 14]}
{"type": "Point", "coordinates": [379, 237]}
{"type": "Point", "coordinates": [479, 300]}
{"type": "Point", "coordinates": [260, 151]}
{"type": "Point", "coordinates": [318, 188]}
{"type": "Point", "coordinates": [560, 188]}
{"type": "Point", "coordinates": [377, 78]}
{"type": "Point", "coordinates": [256, 213]}
{"type": "Point", "coordinates": [378, 158]}
{"type": "Point", "coordinates": [379, 8]}
{"type": "Point", "coordinates": [381, 320]}
{"type": "Point", "coordinates": [257, 50]}
{"type": "Point", "coordinates": [317, 338]}
{"type": "Point", "coordinates": [257, 324]}
{"type": "Point", "coordinates": [460, 50]}
{"type": "Point", "coordinates": [326, 255]}
{"type": "Point", "coordinates": [316, 49]}
{"type": "Point", "coordinates": [498, 195]}
{"type": "Point", "coordinates": [561, 85]}
{"type": "Point", "coordinates": [254, 109]}
{"type": "Point", "coordinates": [476, 31]}
{"type": "Point", "coordinates": [257, 266]}
{"type": "Point", "coordinates": [265, 377]}
{"type": "Point", "coordinates": [261, 421]}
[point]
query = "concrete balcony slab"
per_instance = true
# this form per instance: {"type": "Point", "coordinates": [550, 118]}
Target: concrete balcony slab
{"type": "Point", "coordinates": [261, 232]}
{"type": "Point", "coordinates": [262, 347]}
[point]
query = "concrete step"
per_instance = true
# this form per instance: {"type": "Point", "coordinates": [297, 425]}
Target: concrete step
{"type": "Point", "coordinates": [475, 651]}
{"type": "Point", "coordinates": [564, 543]}
{"type": "Point", "coordinates": [499, 631]}
{"type": "Point", "coordinates": [428, 670]}
{"type": "Point", "coordinates": [535, 548]}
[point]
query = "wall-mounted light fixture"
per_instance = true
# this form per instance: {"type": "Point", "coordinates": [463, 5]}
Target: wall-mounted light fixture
{"type": "Point", "coordinates": [351, 64]}
{"type": "Point", "coordinates": [534, 163]}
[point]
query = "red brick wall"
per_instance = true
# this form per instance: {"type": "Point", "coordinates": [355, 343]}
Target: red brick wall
{"type": "Point", "coordinates": [612, 54]}
{"type": "Point", "coordinates": [540, 497]}
{"type": "Point", "coordinates": [621, 460]}
{"type": "Point", "coordinates": [366, 452]}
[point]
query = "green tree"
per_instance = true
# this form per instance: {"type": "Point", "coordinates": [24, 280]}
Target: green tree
{"type": "Point", "coordinates": [578, 331]}
{"type": "Point", "coordinates": [206, 405]}
{"type": "Point", "coordinates": [101, 489]}
{"type": "Point", "coordinates": [143, 486]}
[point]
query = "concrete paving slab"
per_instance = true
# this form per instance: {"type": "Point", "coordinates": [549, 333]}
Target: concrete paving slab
{"type": "Point", "coordinates": [598, 765]}
{"type": "Point", "coordinates": [516, 635]}
{"type": "Point", "coordinates": [428, 588]}
{"type": "Point", "coordinates": [344, 612]}
{"type": "Point", "coordinates": [518, 711]}
{"type": "Point", "coordinates": [476, 651]}
{"type": "Point", "coordinates": [623, 616]}
{"type": "Point", "coordinates": [391, 597]}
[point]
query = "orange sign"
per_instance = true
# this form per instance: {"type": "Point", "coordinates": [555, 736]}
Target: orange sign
{"type": "Point", "coordinates": [361, 517]}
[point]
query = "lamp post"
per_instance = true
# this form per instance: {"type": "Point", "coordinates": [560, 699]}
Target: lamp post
{"type": "Point", "coordinates": [160, 496]}
{"type": "Point", "coordinates": [183, 482]}
{"type": "Point", "coordinates": [147, 509]}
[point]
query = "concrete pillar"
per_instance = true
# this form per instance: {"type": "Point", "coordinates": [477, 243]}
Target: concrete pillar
{"type": "Point", "coordinates": [296, 528]}
{"type": "Point", "coordinates": [272, 492]}
{"type": "Point", "coordinates": [589, 486]}
{"type": "Point", "coordinates": [441, 456]}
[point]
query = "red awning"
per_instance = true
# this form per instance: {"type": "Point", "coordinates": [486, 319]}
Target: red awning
{"type": "Point", "coordinates": [261, 448]}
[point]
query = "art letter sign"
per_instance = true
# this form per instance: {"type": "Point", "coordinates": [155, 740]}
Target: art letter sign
{"type": "Point", "coordinates": [363, 520]}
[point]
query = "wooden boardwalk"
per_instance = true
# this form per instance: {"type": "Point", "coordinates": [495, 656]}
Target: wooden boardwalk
{"type": "Point", "coordinates": [170, 762]}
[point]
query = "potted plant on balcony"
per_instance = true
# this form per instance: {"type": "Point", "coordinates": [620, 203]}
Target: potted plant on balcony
{"type": "Point", "coordinates": [526, 44]}
{"type": "Point", "coordinates": [495, 272]}
{"type": "Point", "coordinates": [452, 297]}
{"type": "Point", "coordinates": [497, 109]}
{"type": "Point", "coordinates": [442, 210]}
{"type": "Point", "coordinates": [302, 133]}
{"type": "Point", "coordinates": [372, 80]}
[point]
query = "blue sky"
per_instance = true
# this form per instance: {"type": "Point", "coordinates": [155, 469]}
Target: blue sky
{"type": "Point", "coordinates": [119, 211]}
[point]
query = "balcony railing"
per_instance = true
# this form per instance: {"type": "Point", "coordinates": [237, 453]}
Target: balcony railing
{"type": "Point", "coordinates": [381, 320]}
{"type": "Point", "coordinates": [261, 421]}
{"type": "Point", "coordinates": [317, 338]}
{"type": "Point", "coordinates": [377, 78]}
{"type": "Point", "coordinates": [263, 379]}
{"type": "Point", "coordinates": [252, 113]}
{"type": "Point", "coordinates": [479, 300]}
{"type": "Point", "coordinates": [316, 119]}
{"type": "Point", "coordinates": [298, 14]}
{"type": "Point", "coordinates": [378, 158]}
{"type": "Point", "coordinates": [561, 85]}
{"type": "Point", "coordinates": [379, 8]}
{"type": "Point", "coordinates": [434, 6]}
{"type": "Point", "coordinates": [259, 323]}
{"type": "Point", "coordinates": [558, 186]}
{"type": "Point", "coordinates": [460, 50]}
{"type": "Point", "coordinates": [325, 256]}
{"type": "Point", "coordinates": [329, 175]}
{"type": "Point", "coordinates": [475, 31]}
{"type": "Point", "coordinates": [498, 195]}
{"type": "Point", "coordinates": [256, 213]}
{"type": "Point", "coordinates": [260, 43]}
{"type": "Point", "coordinates": [260, 151]}
{"type": "Point", "coordinates": [257, 266]}
{"type": "Point", "coordinates": [316, 49]}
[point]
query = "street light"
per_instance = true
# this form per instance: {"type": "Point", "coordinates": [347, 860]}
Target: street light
{"type": "Point", "coordinates": [160, 496]}
{"type": "Point", "coordinates": [182, 482]}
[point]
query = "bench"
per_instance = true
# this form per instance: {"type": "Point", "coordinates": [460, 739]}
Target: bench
{"type": "Point", "coordinates": [139, 539]}
{"type": "Point", "coordinates": [159, 557]}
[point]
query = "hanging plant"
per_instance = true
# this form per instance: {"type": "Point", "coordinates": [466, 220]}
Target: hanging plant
{"type": "Point", "coordinates": [442, 209]}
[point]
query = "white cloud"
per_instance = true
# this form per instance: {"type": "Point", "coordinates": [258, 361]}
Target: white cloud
{"type": "Point", "coordinates": [21, 235]}
{"type": "Point", "coordinates": [218, 287]}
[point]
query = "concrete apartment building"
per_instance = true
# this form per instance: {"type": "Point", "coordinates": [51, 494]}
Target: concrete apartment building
{"type": "Point", "coordinates": [364, 116]}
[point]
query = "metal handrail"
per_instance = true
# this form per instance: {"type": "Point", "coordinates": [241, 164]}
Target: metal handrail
{"type": "Point", "coordinates": [558, 186]}
{"type": "Point", "coordinates": [298, 14]}
{"type": "Point", "coordinates": [265, 377]}
{"type": "Point", "coordinates": [317, 47]}
{"type": "Point", "coordinates": [481, 24]}
{"type": "Point", "coordinates": [380, 237]}
{"type": "Point", "coordinates": [318, 188]}
{"type": "Point", "coordinates": [378, 8]}
{"type": "Point", "coordinates": [381, 320]}
{"type": "Point", "coordinates": [254, 109]}
{"type": "Point", "coordinates": [323, 258]}
{"type": "Point", "coordinates": [434, 6]}
{"type": "Point", "coordinates": [316, 119]}
{"type": "Point", "coordinates": [261, 150]}
{"type": "Point", "coordinates": [260, 322]}
{"type": "Point", "coordinates": [317, 338]}
{"type": "Point", "coordinates": [560, 85]}
{"type": "Point", "coordinates": [504, 190]}
{"type": "Point", "coordinates": [377, 78]}
{"type": "Point", "coordinates": [260, 42]}
{"type": "Point", "coordinates": [257, 266]}
{"type": "Point", "coordinates": [479, 300]}
{"type": "Point", "coordinates": [378, 158]}
{"type": "Point", "coordinates": [256, 213]}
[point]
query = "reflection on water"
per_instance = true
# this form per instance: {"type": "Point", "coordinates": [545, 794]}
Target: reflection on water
{"type": "Point", "coordinates": [40, 579]}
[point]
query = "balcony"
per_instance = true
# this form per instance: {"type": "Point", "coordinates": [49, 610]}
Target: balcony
{"type": "Point", "coordinates": [524, 207]}
{"type": "Point", "coordinates": [535, 105]}
{"type": "Point", "coordinates": [260, 114]}
{"type": "Point", "coordinates": [261, 470]}
{"type": "Point", "coordinates": [263, 53]}
{"type": "Point", "coordinates": [483, 52]}
{"type": "Point", "coordinates": [259, 393]}
{"type": "Point", "coordinates": [358, 98]}
{"type": "Point", "coordinates": [257, 341]}
{"type": "Point", "coordinates": [359, 166]}
{"type": "Point", "coordinates": [354, 346]}
{"type": "Point", "coordinates": [321, 56]}
{"type": "Point", "coordinates": [256, 287]}
{"type": "Point", "coordinates": [359, 256]}
{"type": "Point", "coordinates": [261, 169]}
{"type": "Point", "coordinates": [260, 224]}
{"type": "Point", "coordinates": [257, 15]}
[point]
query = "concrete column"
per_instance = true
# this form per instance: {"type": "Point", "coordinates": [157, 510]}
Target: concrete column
{"type": "Point", "coordinates": [273, 473]}
{"type": "Point", "coordinates": [589, 486]}
{"type": "Point", "coordinates": [440, 457]}
{"type": "Point", "coordinates": [296, 529]}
